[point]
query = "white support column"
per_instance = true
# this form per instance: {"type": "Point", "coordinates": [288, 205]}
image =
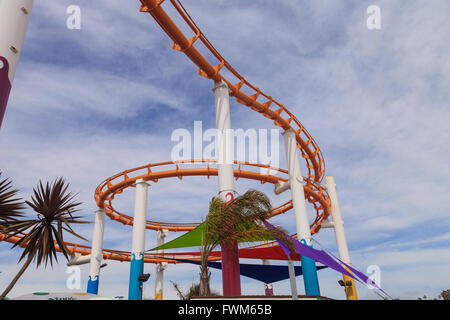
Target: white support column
{"type": "Point", "coordinates": [292, 281]}
{"type": "Point", "coordinates": [337, 223]}
{"type": "Point", "coordinates": [96, 251]}
{"type": "Point", "coordinates": [300, 213]}
{"type": "Point", "coordinates": [224, 147]}
{"type": "Point", "coordinates": [14, 17]}
{"type": "Point", "coordinates": [138, 244]}
{"type": "Point", "coordinates": [268, 287]}
{"type": "Point", "coordinates": [341, 241]}
{"type": "Point", "coordinates": [160, 267]}
{"type": "Point", "coordinates": [296, 186]}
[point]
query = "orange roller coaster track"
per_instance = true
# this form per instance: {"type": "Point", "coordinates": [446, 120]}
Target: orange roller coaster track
{"type": "Point", "coordinates": [259, 101]}
{"type": "Point", "coordinates": [108, 189]}
{"type": "Point", "coordinates": [269, 107]}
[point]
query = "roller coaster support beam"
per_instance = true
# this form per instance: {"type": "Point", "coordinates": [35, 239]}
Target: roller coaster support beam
{"type": "Point", "coordinates": [231, 281]}
{"type": "Point", "coordinates": [224, 142]}
{"type": "Point", "coordinates": [160, 267]}
{"type": "Point", "coordinates": [281, 186]}
{"type": "Point", "coordinates": [341, 241]}
{"type": "Point", "coordinates": [301, 217]}
{"type": "Point", "coordinates": [14, 17]}
{"type": "Point", "coordinates": [138, 242]}
{"type": "Point", "coordinates": [96, 252]}
{"type": "Point", "coordinates": [291, 269]}
{"type": "Point", "coordinates": [78, 259]}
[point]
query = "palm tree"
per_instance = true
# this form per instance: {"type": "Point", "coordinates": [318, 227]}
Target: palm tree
{"type": "Point", "coordinates": [240, 220]}
{"type": "Point", "coordinates": [10, 207]}
{"type": "Point", "coordinates": [54, 207]}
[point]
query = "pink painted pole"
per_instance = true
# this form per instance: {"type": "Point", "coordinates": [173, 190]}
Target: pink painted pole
{"type": "Point", "coordinates": [231, 275]}
{"type": "Point", "coordinates": [14, 17]}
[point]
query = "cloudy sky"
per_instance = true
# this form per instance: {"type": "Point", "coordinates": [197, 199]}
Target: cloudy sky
{"type": "Point", "coordinates": [89, 103]}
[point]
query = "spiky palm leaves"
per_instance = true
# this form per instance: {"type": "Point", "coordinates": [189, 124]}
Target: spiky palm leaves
{"type": "Point", "coordinates": [10, 206]}
{"type": "Point", "coordinates": [240, 220]}
{"type": "Point", "coordinates": [54, 207]}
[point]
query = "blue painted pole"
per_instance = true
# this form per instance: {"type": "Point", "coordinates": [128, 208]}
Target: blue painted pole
{"type": "Point", "coordinates": [138, 245]}
{"type": "Point", "coordinates": [96, 252]}
{"type": "Point", "coordinates": [310, 278]}
{"type": "Point", "coordinates": [92, 286]}
{"type": "Point", "coordinates": [300, 213]}
{"type": "Point", "coordinates": [136, 269]}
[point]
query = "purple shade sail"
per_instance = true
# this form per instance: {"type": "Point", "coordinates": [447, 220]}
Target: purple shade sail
{"type": "Point", "coordinates": [317, 255]}
{"type": "Point", "coordinates": [363, 277]}
{"type": "Point", "coordinates": [324, 258]}
{"type": "Point", "coordinates": [285, 249]}
{"type": "Point", "coordinates": [320, 256]}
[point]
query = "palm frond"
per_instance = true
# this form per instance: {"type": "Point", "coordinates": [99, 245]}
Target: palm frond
{"type": "Point", "coordinates": [239, 221]}
{"type": "Point", "coordinates": [10, 206]}
{"type": "Point", "coordinates": [54, 206]}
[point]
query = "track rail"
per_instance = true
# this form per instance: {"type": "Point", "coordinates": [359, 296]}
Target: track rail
{"type": "Point", "coordinates": [259, 101]}
{"type": "Point", "coordinates": [106, 192]}
{"type": "Point", "coordinates": [110, 254]}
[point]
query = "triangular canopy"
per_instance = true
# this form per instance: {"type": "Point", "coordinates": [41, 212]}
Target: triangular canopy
{"type": "Point", "coordinates": [260, 272]}
{"type": "Point", "coordinates": [269, 253]}
{"type": "Point", "coordinates": [191, 238]}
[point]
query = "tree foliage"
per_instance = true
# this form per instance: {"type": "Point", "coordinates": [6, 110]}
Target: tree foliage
{"type": "Point", "coordinates": [445, 295]}
{"type": "Point", "coordinates": [10, 206]}
{"type": "Point", "coordinates": [42, 236]}
{"type": "Point", "coordinates": [241, 221]}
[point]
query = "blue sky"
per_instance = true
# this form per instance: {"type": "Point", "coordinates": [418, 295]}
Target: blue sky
{"type": "Point", "coordinates": [89, 103]}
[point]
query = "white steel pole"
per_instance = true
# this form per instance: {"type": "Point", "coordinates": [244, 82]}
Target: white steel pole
{"type": "Point", "coordinates": [224, 150]}
{"type": "Point", "coordinates": [78, 259]}
{"type": "Point", "coordinates": [300, 213]}
{"type": "Point", "coordinates": [268, 287]}
{"type": "Point", "coordinates": [138, 242]}
{"type": "Point", "coordinates": [14, 17]}
{"type": "Point", "coordinates": [160, 267]}
{"type": "Point", "coordinates": [96, 251]}
{"type": "Point", "coordinates": [296, 186]}
{"type": "Point", "coordinates": [292, 281]}
{"type": "Point", "coordinates": [339, 232]}
{"type": "Point", "coordinates": [224, 146]}
{"type": "Point", "coordinates": [338, 223]}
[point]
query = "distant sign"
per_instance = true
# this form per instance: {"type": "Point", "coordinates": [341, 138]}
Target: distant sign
{"type": "Point", "coordinates": [61, 296]}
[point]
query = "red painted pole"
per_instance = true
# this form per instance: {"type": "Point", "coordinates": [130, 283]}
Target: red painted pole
{"type": "Point", "coordinates": [5, 86]}
{"type": "Point", "coordinates": [231, 276]}
{"type": "Point", "coordinates": [231, 281]}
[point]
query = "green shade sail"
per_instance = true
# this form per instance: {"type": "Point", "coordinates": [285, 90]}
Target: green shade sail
{"type": "Point", "coordinates": [193, 238]}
